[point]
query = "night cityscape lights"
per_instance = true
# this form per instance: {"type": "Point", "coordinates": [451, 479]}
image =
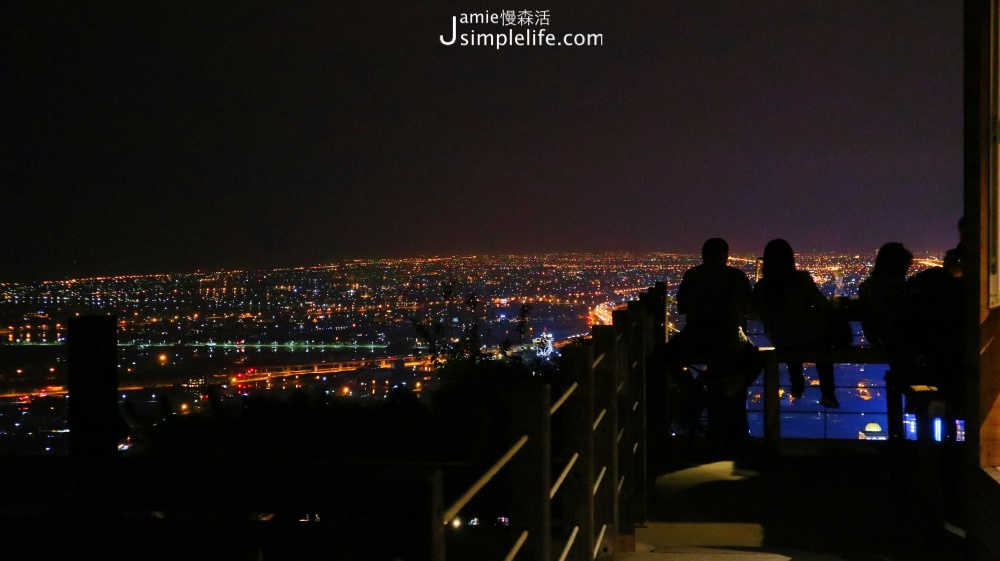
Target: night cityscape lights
{"type": "Point", "coordinates": [349, 327]}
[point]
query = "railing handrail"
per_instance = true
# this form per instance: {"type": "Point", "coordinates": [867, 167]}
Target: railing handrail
{"type": "Point", "coordinates": [837, 355]}
{"type": "Point", "coordinates": [772, 357]}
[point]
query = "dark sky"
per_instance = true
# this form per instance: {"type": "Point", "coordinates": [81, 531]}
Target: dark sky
{"type": "Point", "coordinates": [174, 137]}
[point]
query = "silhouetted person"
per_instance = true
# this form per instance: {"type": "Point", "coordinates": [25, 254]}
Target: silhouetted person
{"type": "Point", "coordinates": [881, 294]}
{"type": "Point", "coordinates": [715, 299]}
{"type": "Point", "coordinates": [795, 315]}
{"type": "Point", "coordinates": [929, 337]}
{"type": "Point", "coordinates": [880, 298]}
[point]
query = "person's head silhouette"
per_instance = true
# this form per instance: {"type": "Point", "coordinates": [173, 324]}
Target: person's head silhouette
{"type": "Point", "coordinates": [892, 260]}
{"type": "Point", "coordinates": [715, 251]}
{"type": "Point", "coordinates": [779, 259]}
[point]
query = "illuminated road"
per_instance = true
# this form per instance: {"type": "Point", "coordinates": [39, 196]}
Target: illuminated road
{"type": "Point", "coordinates": [274, 372]}
{"type": "Point", "coordinates": [601, 314]}
{"type": "Point", "coordinates": [254, 375]}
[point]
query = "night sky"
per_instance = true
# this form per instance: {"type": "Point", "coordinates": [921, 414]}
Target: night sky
{"type": "Point", "coordinates": [173, 137]}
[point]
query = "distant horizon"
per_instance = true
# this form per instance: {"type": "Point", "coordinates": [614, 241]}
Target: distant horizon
{"type": "Point", "coordinates": [693, 254]}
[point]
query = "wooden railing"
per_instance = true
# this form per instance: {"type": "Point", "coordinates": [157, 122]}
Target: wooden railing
{"type": "Point", "coordinates": [599, 421]}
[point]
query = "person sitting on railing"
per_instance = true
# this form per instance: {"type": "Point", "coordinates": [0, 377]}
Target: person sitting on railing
{"type": "Point", "coordinates": [795, 315]}
{"type": "Point", "coordinates": [881, 294]}
{"type": "Point", "coordinates": [880, 298]}
{"type": "Point", "coordinates": [715, 299]}
{"type": "Point", "coordinates": [929, 335]}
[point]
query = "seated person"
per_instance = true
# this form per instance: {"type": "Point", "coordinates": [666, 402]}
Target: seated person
{"type": "Point", "coordinates": [715, 298]}
{"type": "Point", "coordinates": [928, 340]}
{"type": "Point", "coordinates": [795, 315]}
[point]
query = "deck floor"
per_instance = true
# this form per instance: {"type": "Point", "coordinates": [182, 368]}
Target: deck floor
{"type": "Point", "coordinates": [819, 500]}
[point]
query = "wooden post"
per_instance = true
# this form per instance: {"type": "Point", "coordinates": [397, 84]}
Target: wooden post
{"type": "Point", "coordinates": [655, 301]}
{"type": "Point", "coordinates": [433, 486]}
{"type": "Point", "coordinates": [656, 401]}
{"type": "Point", "coordinates": [894, 407]}
{"type": "Point", "coordinates": [772, 405]}
{"type": "Point", "coordinates": [643, 350]}
{"type": "Point", "coordinates": [606, 440]}
{"type": "Point", "coordinates": [532, 468]}
{"type": "Point", "coordinates": [577, 419]}
{"type": "Point", "coordinates": [94, 423]}
{"type": "Point", "coordinates": [630, 360]}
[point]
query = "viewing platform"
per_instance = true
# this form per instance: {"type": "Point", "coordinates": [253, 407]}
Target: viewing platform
{"type": "Point", "coordinates": [776, 498]}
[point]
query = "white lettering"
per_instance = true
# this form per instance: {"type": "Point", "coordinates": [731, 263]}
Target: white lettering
{"type": "Point", "coordinates": [454, 29]}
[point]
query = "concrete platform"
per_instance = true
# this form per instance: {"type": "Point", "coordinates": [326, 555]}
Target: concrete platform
{"type": "Point", "coordinates": [810, 501]}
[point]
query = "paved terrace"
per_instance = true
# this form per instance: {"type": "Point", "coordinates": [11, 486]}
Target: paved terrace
{"type": "Point", "coordinates": [819, 500]}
